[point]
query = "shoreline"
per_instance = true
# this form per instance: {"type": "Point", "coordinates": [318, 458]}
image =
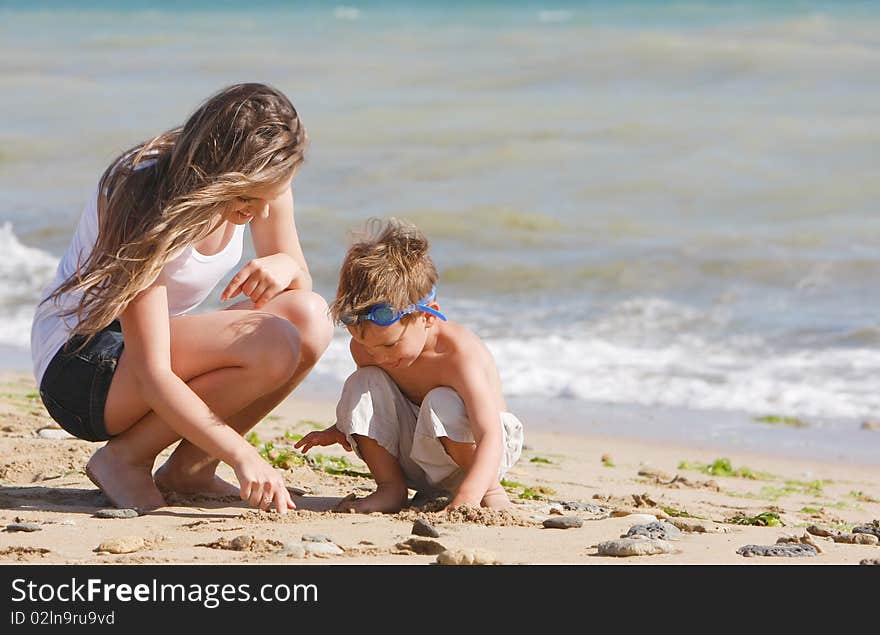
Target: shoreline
{"type": "Point", "coordinates": [608, 484]}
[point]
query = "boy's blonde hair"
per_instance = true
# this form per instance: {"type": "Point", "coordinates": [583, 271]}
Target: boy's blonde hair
{"type": "Point", "coordinates": [165, 194]}
{"type": "Point", "coordinates": [388, 263]}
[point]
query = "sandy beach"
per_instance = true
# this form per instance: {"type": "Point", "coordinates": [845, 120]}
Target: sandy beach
{"type": "Point", "coordinates": [609, 485]}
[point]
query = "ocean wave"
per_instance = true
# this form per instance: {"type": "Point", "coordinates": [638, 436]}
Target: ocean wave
{"type": "Point", "coordinates": [693, 374]}
{"type": "Point", "coordinates": [24, 271]}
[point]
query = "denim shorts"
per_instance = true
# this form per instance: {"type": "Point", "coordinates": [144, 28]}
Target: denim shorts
{"type": "Point", "coordinates": [75, 385]}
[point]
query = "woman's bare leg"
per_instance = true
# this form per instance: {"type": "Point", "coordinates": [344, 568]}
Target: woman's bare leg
{"type": "Point", "coordinates": [190, 469]}
{"type": "Point", "coordinates": [229, 359]}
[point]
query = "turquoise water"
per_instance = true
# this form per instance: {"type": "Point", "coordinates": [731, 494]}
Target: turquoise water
{"type": "Point", "coordinates": [664, 204]}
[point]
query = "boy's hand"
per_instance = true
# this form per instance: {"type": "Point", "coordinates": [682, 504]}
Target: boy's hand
{"type": "Point", "coordinates": [322, 437]}
{"type": "Point", "coordinates": [463, 499]}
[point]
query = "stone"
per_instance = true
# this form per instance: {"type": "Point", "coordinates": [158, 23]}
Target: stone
{"type": "Point", "coordinates": [577, 506]}
{"type": "Point", "coordinates": [423, 528]}
{"type": "Point", "coordinates": [872, 528]}
{"type": "Point", "coordinates": [475, 556]}
{"type": "Point", "coordinates": [124, 544]}
{"type": "Point", "coordinates": [634, 547]}
{"type": "Point", "coordinates": [563, 522]}
{"type": "Point", "coordinates": [856, 539]}
{"type": "Point", "coordinates": [779, 551]}
{"type": "Point", "coordinates": [806, 539]}
{"type": "Point", "coordinates": [23, 527]}
{"type": "Point", "coordinates": [870, 561]}
{"type": "Point", "coordinates": [661, 530]}
{"type": "Point", "coordinates": [422, 546]}
{"type": "Point", "coordinates": [117, 513]}
{"type": "Point", "coordinates": [322, 549]}
{"type": "Point", "coordinates": [315, 538]}
{"type": "Point", "coordinates": [55, 433]}
{"type": "Point", "coordinates": [821, 531]}
{"type": "Point", "coordinates": [294, 550]}
{"type": "Point", "coordinates": [556, 511]}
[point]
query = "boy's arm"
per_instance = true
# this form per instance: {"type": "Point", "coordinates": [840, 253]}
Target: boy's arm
{"type": "Point", "coordinates": [474, 388]}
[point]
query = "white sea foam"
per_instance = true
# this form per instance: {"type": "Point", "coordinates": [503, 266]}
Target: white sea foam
{"type": "Point", "coordinates": [24, 271]}
{"type": "Point", "coordinates": [694, 369]}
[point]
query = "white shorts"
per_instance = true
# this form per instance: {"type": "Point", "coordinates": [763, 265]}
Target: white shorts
{"type": "Point", "coordinates": [373, 406]}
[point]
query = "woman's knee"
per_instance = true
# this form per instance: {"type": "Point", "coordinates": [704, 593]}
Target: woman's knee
{"type": "Point", "coordinates": [273, 348]}
{"type": "Point", "coordinates": [308, 311]}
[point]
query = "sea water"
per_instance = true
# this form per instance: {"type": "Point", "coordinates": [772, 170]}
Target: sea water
{"type": "Point", "coordinates": [661, 217]}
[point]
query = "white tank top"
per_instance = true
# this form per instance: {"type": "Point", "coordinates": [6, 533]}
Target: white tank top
{"type": "Point", "coordinates": [190, 276]}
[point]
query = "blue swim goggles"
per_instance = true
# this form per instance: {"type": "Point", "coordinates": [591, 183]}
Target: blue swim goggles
{"type": "Point", "coordinates": [385, 315]}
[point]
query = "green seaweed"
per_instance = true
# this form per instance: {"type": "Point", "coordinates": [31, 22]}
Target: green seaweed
{"type": "Point", "coordinates": [253, 438]}
{"type": "Point", "coordinates": [292, 436]}
{"type": "Point", "coordinates": [764, 519]}
{"type": "Point", "coordinates": [540, 459]}
{"type": "Point", "coordinates": [608, 463]}
{"type": "Point", "coordinates": [336, 465]}
{"type": "Point", "coordinates": [862, 497]}
{"type": "Point", "coordinates": [812, 510]}
{"type": "Point", "coordinates": [511, 484]}
{"type": "Point", "coordinates": [680, 513]}
{"type": "Point", "coordinates": [780, 420]}
{"type": "Point", "coordinates": [722, 467]}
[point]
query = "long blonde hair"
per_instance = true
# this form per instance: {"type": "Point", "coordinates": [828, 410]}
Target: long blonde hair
{"type": "Point", "coordinates": [166, 193]}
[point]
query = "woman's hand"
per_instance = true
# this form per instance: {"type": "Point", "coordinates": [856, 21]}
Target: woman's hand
{"type": "Point", "coordinates": [263, 278]}
{"type": "Point", "coordinates": [262, 485]}
{"type": "Point", "coordinates": [329, 436]}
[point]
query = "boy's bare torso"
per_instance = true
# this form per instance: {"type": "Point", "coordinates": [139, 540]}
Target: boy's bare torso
{"type": "Point", "coordinates": [455, 347]}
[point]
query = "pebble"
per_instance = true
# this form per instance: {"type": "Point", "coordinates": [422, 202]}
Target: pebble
{"type": "Point", "coordinates": [322, 549]}
{"type": "Point", "coordinates": [23, 527]}
{"type": "Point", "coordinates": [55, 433]}
{"type": "Point", "coordinates": [563, 522]}
{"type": "Point", "coordinates": [806, 539]}
{"type": "Point", "coordinates": [873, 528]}
{"type": "Point", "coordinates": [294, 550]}
{"type": "Point", "coordinates": [857, 539]}
{"type": "Point", "coordinates": [689, 525]}
{"type": "Point", "coordinates": [315, 538]}
{"type": "Point", "coordinates": [634, 547]}
{"type": "Point", "coordinates": [422, 546]}
{"type": "Point", "coordinates": [424, 528]}
{"type": "Point", "coordinates": [577, 506]}
{"type": "Point", "coordinates": [117, 513]}
{"type": "Point", "coordinates": [467, 557]}
{"type": "Point", "coordinates": [556, 511]}
{"type": "Point", "coordinates": [125, 544]}
{"type": "Point", "coordinates": [661, 530]}
{"type": "Point", "coordinates": [820, 531]}
{"type": "Point", "coordinates": [781, 551]}
{"type": "Point", "coordinates": [869, 561]}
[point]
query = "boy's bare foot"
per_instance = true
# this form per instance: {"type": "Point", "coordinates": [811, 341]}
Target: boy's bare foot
{"type": "Point", "coordinates": [496, 498]}
{"type": "Point", "coordinates": [386, 499]}
{"type": "Point", "coordinates": [127, 485]}
{"type": "Point", "coordinates": [170, 478]}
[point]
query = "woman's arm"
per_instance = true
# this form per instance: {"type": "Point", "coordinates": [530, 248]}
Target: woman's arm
{"type": "Point", "coordinates": [280, 263]}
{"type": "Point", "coordinates": [147, 333]}
{"type": "Point", "coordinates": [277, 234]}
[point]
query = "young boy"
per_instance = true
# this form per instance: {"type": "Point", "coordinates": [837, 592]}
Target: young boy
{"type": "Point", "coordinates": [424, 409]}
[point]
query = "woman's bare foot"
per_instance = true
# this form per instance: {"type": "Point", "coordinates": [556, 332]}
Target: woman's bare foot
{"type": "Point", "coordinates": [388, 499]}
{"type": "Point", "coordinates": [126, 484]}
{"type": "Point", "coordinates": [496, 498]}
{"type": "Point", "coordinates": [170, 478]}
